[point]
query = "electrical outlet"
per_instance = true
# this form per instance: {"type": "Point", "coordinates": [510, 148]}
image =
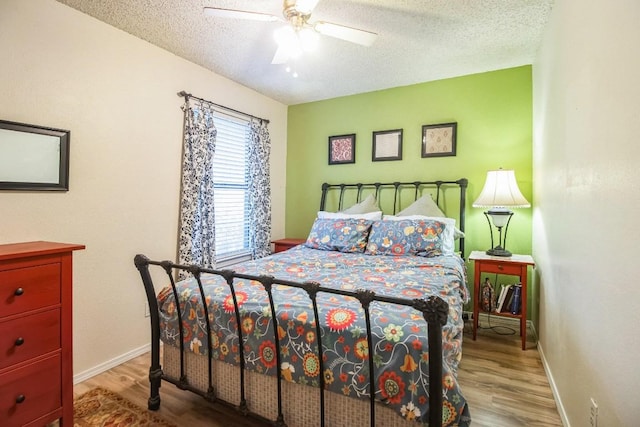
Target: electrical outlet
{"type": "Point", "coordinates": [593, 413]}
{"type": "Point", "coordinates": [147, 313]}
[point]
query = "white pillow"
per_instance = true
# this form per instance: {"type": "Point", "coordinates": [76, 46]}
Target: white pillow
{"type": "Point", "coordinates": [427, 207]}
{"type": "Point", "coordinates": [423, 206]}
{"type": "Point", "coordinates": [448, 244]}
{"type": "Point", "coordinates": [367, 205]}
{"type": "Point", "coordinates": [373, 216]}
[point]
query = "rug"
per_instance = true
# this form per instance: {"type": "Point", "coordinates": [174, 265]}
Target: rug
{"type": "Point", "coordinates": [103, 408]}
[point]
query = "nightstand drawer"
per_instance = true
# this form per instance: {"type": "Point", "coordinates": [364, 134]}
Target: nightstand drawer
{"type": "Point", "coordinates": [501, 268]}
{"type": "Point", "coordinates": [30, 392]}
{"type": "Point", "coordinates": [29, 288]}
{"type": "Point", "coordinates": [286, 244]}
{"type": "Point", "coordinates": [29, 336]}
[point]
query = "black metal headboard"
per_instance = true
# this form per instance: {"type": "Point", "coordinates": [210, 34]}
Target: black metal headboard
{"type": "Point", "coordinates": [415, 189]}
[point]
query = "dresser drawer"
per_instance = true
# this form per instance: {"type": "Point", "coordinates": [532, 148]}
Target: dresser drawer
{"type": "Point", "coordinates": [36, 387]}
{"type": "Point", "coordinates": [29, 336]}
{"type": "Point", "coordinates": [25, 289]}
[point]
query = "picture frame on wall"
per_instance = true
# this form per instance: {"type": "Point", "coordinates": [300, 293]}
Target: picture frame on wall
{"type": "Point", "coordinates": [342, 149]}
{"type": "Point", "coordinates": [33, 158]}
{"type": "Point", "coordinates": [387, 145]}
{"type": "Point", "coordinates": [439, 140]}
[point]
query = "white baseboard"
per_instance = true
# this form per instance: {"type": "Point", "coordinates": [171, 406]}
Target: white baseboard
{"type": "Point", "coordinates": [554, 389]}
{"type": "Point", "coordinates": [92, 372]}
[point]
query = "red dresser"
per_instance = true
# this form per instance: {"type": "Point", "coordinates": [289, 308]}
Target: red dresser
{"type": "Point", "coordinates": [36, 369]}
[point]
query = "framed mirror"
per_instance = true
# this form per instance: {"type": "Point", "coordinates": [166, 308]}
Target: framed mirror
{"type": "Point", "coordinates": [33, 157]}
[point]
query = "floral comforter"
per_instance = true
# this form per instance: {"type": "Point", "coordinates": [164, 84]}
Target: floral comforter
{"type": "Point", "coordinates": [401, 353]}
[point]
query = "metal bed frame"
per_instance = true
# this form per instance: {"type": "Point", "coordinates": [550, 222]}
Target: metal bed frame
{"type": "Point", "coordinates": [433, 309]}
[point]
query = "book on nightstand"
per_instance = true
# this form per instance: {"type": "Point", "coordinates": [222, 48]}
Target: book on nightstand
{"type": "Point", "coordinates": [517, 299]}
{"type": "Point", "coordinates": [508, 299]}
{"type": "Point", "coordinates": [504, 290]}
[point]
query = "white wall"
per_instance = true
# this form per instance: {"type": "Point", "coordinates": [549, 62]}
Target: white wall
{"type": "Point", "coordinates": [117, 95]}
{"type": "Point", "coordinates": [587, 189]}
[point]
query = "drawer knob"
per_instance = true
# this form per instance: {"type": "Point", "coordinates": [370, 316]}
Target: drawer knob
{"type": "Point", "coordinates": [21, 398]}
{"type": "Point", "coordinates": [19, 292]}
{"type": "Point", "coordinates": [500, 267]}
{"type": "Point", "coordinates": [19, 341]}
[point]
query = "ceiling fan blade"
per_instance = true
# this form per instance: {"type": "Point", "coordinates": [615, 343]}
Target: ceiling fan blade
{"type": "Point", "coordinates": [239, 14]}
{"type": "Point", "coordinates": [281, 56]}
{"type": "Point", "coordinates": [306, 6]}
{"type": "Point", "coordinates": [353, 35]}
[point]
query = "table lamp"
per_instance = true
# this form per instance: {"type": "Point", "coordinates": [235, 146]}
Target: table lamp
{"type": "Point", "coordinates": [500, 192]}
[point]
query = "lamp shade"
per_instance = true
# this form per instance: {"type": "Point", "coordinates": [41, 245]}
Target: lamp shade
{"type": "Point", "coordinates": [501, 190]}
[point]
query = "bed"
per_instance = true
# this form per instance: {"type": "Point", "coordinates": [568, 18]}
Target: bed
{"type": "Point", "coordinates": [361, 295]}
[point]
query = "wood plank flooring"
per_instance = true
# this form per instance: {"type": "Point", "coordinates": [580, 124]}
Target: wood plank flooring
{"type": "Point", "coordinates": [503, 385]}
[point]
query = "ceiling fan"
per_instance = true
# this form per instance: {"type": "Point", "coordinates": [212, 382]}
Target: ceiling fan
{"type": "Point", "coordinates": [300, 34]}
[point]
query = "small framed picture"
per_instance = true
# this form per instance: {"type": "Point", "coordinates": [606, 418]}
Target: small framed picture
{"type": "Point", "coordinates": [342, 149]}
{"type": "Point", "coordinates": [439, 140]}
{"type": "Point", "coordinates": [387, 145]}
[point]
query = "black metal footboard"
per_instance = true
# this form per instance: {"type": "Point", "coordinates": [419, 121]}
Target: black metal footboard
{"type": "Point", "coordinates": [433, 309]}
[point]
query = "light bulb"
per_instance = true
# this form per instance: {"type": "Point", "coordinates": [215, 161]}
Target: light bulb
{"type": "Point", "coordinates": [308, 39]}
{"type": "Point", "coordinates": [283, 35]}
{"type": "Point", "coordinates": [288, 40]}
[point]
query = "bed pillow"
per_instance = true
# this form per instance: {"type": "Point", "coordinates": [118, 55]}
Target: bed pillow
{"type": "Point", "coordinates": [423, 206]}
{"type": "Point", "coordinates": [369, 204]}
{"type": "Point", "coordinates": [448, 236]}
{"type": "Point", "coordinates": [373, 216]}
{"type": "Point", "coordinates": [426, 206]}
{"type": "Point", "coordinates": [421, 237]}
{"type": "Point", "coordinates": [344, 235]}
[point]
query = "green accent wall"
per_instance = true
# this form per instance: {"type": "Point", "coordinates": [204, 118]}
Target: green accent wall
{"type": "Point", "coordinates": [494, 115]}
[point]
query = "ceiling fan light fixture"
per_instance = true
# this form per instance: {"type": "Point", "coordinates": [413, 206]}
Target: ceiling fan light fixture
{"type": "Point", "coordinates": [309, 39]}
{"type": "Point", "coordinates": [288, 41]}
{"type": "Point", "coordinates": [300, 34]}
{"type": "Point", "coordinates": [295, 42]}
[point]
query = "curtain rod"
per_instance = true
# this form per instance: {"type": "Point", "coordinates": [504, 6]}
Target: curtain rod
{"type": "Point", "coordinates": [186, 96]}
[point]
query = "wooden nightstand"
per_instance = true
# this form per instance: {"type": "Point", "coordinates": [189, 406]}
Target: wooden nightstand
{"type": "Point", "coordinates": [515, 265]}
{"type": "Point", "coordinates": [286, 244]}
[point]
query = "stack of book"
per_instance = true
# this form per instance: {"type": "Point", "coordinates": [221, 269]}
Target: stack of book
{"type": "Point", "coordinates": [510, 299]}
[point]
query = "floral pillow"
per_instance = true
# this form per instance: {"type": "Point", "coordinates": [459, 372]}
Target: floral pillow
{"type": "Point", "coordinates": [426, 206]}
{"type": "Point", "coordinates": [344, 235]}
{"type": "Point", "coordinates": [448, 242]}
{"type": "Point", "coordinates": [406, 237]}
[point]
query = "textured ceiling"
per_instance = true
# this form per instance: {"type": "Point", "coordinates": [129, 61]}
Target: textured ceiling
{"type": "Point", "coordinates": [418, 40]}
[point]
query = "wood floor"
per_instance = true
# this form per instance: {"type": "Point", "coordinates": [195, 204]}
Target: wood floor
{"type": "Point", "coordinates": [503, 385]}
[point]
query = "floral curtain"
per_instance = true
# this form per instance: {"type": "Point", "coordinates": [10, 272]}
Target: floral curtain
{"type": "Point", "coordinates": [197, 225]}
{"type": "Point", "coordinates": [259, 190]}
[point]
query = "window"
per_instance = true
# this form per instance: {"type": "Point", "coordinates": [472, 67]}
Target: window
{"type": "Point", "coordinates": [231, 190]}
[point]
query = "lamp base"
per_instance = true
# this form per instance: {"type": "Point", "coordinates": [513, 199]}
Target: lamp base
{"type": "Point", "coordinates": [498, 251]}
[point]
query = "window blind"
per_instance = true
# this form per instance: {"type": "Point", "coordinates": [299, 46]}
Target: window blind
{"type": "Point", "coordinates": [231, 190]}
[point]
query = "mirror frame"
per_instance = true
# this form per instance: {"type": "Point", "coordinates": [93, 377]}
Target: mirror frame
{"type": "Point", "coordinates": [63, 137]}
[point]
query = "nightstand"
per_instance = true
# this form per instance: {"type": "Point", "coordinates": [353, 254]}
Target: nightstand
{"type": "Point", "coordinates": [286, 244]}
{"type": "Point", "coordinates": [515, 265]}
